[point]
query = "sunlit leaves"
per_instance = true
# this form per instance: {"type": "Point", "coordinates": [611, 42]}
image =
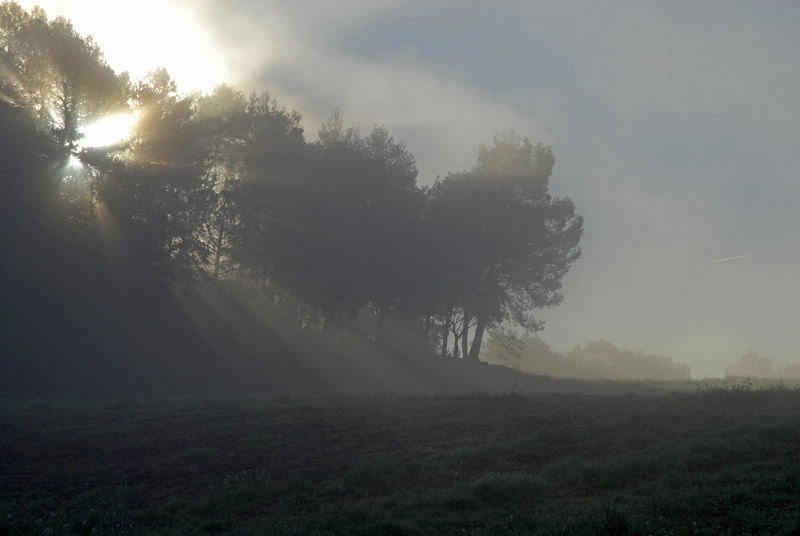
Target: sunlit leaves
{"type": "Point", "coordinates": [55, 73]}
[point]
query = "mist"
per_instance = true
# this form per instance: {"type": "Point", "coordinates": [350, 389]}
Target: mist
{"type": "Point", "coordinates": [672, 127]}
{"type": "Point", "coordinates": [379, 267]}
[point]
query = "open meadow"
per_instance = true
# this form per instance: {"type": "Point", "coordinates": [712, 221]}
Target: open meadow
{"type": "Point", "coordinates": [720, 460]}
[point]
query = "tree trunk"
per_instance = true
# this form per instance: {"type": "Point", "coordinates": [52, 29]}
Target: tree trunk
{"type": "Point", "coordinates": [475, 351]}
{"type": "Point", "coordinates": [465, 334]}
{"type": "Point", "coordinates": [483, 302]}
{"type": "Point", "coordinates": [218, 254]}
{"type": "Point", "coordinates": [445, 333]}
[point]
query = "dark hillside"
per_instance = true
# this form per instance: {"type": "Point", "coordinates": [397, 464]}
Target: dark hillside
{"type": "Point", "coordinates": [210, 342]}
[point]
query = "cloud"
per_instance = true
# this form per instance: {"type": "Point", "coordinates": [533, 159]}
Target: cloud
{"type": "Point", "coordinates": [442, 118]}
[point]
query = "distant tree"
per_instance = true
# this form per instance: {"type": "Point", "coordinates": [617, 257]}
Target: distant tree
{"type": "Point", "coordinates": [596, 359]}
{"type": "Point", "coordinates": [533, 355]}
{"type": "Point", "coordinates": [505, 243]}
{"type": "Point", "coordinates": [791, 371]}
{"type": "Point", "coordinates": [601, 359]}
{"type": "Point", "coordinates": [752, 364]}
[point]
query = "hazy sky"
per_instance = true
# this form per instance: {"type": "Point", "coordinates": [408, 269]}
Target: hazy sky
{"type": "Point", "coordinates": [675, 127]}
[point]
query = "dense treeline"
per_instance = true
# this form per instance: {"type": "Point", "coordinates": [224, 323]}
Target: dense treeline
{"type": "Point", "coordinates": [754, 365]}
{"type": "Point", "coordinates": [135, 251]}
{"type": "Point", "coordinates": [596, 359]}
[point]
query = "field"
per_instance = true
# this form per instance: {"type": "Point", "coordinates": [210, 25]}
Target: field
{"type": "Point", "coordinates": [717, 461]}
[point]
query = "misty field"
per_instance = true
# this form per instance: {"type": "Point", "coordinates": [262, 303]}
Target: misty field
{"type": "Point", "coordinates": [718, 461]}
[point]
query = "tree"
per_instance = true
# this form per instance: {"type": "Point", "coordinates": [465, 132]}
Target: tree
{"type": "Point", "coordinates": [166, 131]}
{"type": "Point", "coordinates": [331, 223]}
{"type": "Point", "coordinates": [149, 186]}
{"type": "Point", "coordinates": [72, 312]}
{"type": "Point", "coordinates": [267, 201]}
{"type": "Point", "coordinates": [602, 359]}
{"type": "Point", "coordinates": [505, 241]}
{"type": "Point", "coordinates": [56, 74]}
{"type": "Point", "coordinates": [533, 355]}
{"type": "Point", "coordinates": [393, 224]}
{"type": "Point", "coordinates": [224, 125]}
{"type": "Point", "coordinates": [754, 365]}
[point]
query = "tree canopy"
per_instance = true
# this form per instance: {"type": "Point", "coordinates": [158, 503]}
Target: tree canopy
{"type": "Point", "coordinates": [54, 73]}
{"type": "Point", "coordinates": [593, 360]}
{"type": "Point", "coordinates": [507, 243]}
{"type": "Point", "coordinates": [223, 190]}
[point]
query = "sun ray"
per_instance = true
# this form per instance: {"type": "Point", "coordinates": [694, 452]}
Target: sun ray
{"type": "Point", "coordinates": [109, 130]}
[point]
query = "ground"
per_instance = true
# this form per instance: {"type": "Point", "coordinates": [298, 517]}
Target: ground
{"type": "Point", "coordinates": [719, 461]}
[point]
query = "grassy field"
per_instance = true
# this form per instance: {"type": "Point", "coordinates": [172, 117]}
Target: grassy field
{"type": "Point", "coordinates": [718, 461]}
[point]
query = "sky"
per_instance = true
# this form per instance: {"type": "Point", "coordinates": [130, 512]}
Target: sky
{"type": "Point", "coordinates": [674, 124]}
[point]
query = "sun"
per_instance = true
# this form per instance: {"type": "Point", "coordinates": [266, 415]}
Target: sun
{"type": "Point", "coordinates": [109, 130]}
{"type": "Point", "coordinates": [145, 35]}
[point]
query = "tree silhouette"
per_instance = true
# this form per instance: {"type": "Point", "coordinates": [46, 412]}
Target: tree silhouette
{"type": "Point", "coordinates": [595, 359]}
{"type": "Point", "coordinates": [55, 73]}
{"type": "Point", "coordinates": [506, 242]}
{"type": "Point", "coordinates": [224, 124]}
{"type": "Point", "coordinates": [754, 365]}
{"type": "Point", "coordinates": [218, 190]}
{"type": "Point", "coordinates": [274, 156]}
{"type": "Point", "coordinates": [392, 224]}
{"type": "Point", "coordinates": [147, 187]}
{"type": "Point", "coordinates": [601, 359]}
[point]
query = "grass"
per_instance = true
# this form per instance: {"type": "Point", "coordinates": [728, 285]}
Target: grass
{"type": "Point", "coordinates": [721, 460]}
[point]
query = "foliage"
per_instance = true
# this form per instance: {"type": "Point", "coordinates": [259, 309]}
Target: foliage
{"type": "Point", "coordinates": [54, 73]}
{"type": "Point", "coordinates": [329, 226]}
{"type": "Point", "coordinates": [751, 364]}
{"type": "Point", "coordinates": [507, 243]}
{"type": "Point", "coordinates": [217, 202]}
{"type": "Point", "coordinates": [605, 360]}
{"type": "Point", "coordinates": [596, 359]}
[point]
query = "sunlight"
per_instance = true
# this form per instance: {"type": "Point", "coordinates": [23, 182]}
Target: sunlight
{"type": "Point", "coordinates": [154, 33]}
{"type": "Point", "coordinates": [72, 164]}
{"type": "Point", "coordinates": [109, 130]}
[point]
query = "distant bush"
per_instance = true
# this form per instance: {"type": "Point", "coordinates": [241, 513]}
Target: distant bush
{"type": "Point", "coordinates": [754, 365]}
{"type": "Point", "coordinates": [605, 360]}
{"type": "Point", "coordinates": [594, 360]}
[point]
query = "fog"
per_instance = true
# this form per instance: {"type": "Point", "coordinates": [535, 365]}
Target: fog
{"type": "Point", "coordinates": [674, 127]}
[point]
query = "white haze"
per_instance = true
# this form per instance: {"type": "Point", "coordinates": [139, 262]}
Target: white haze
{"type": "Point", "coordinates": [675, 128]}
